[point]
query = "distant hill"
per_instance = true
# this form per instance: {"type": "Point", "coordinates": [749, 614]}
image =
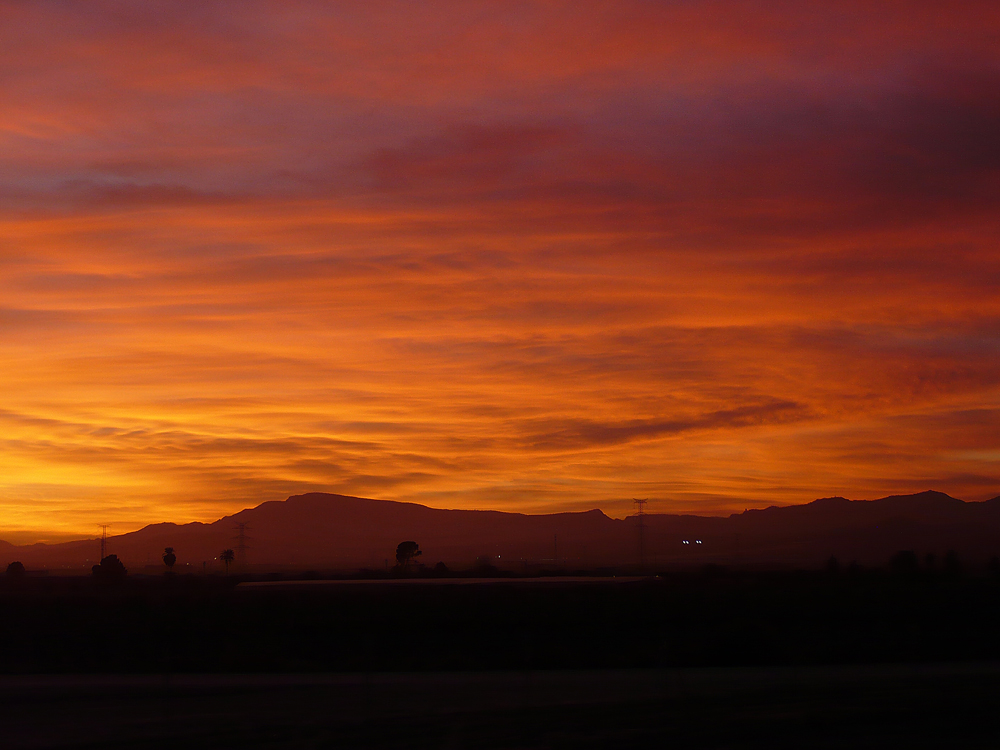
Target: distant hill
{"type": "Point", "coordinates": [868, 532]}
{"type": "Point", "coordinates": [337, 531]}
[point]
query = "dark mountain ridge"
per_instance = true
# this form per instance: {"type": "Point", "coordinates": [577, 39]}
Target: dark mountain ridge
{"type": "Point", "coordinates": [339, 531]}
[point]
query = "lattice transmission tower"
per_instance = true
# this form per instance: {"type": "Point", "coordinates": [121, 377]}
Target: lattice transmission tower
{"type": "Point", "coordinates": [640, 504]}
{"type": "Point", "coordinates": [104, 540]}
{"type": "Point", "coordinates": [241, 544]}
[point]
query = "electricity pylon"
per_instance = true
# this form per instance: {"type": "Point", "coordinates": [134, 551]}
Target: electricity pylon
{"type": "Point", "coordinates": [640, 503]}
{"type": "Point", "coordinates": [241, 544]}
{"type": "Point", "coordinates": [104, 540]}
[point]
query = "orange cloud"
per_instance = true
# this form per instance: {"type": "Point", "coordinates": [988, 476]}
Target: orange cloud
{"type": "Point", "coordinates": [541, 257]}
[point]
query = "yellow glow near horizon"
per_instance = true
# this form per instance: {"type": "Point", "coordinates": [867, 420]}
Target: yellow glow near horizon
{"type": "Point", "coordinates": [543, 264]}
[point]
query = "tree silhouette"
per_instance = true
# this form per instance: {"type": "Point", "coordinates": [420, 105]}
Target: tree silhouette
{"type": "Point", "coordinates": [227, 556]}
{"type": "Point", "coordinates": [15, 570]}
{"type": "Point", "coordinates": [169, 558]}
{"type": "Point", "coordinates": [110, 569]}
{"type": "Point", "coordinates": [405, 552]}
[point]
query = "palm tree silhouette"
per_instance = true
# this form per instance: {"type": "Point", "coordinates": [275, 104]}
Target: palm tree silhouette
{"type": "Point", "coordinates": [169, 558]}
{"type": "Point", "coordinates": [227, 557]}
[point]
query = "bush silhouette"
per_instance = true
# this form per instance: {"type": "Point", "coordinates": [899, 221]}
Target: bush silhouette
{"type": "Point", "coordinates": [15, 570]}
{"type": "Point", "coordinates": [904, 563]}
{"type": "Point", "coordinates": [484, 569]}
{"type": "Point", "coordinates": [952, 565]}
{"type": "Point", "coordinates": [110, 569]}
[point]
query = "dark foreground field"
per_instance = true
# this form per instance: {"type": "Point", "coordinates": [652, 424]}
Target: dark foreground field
{"type": "Point", "coordinates": [861, 659]}
{"type": "Point", "coordinates": [888, 706]}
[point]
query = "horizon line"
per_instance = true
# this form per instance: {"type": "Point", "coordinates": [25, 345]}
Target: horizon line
{"type": "Point", "coordinates": [68, 538]}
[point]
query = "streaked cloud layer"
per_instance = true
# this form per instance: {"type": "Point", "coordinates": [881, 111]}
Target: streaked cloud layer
{"type": "Point", "coordinates": [523, 256]}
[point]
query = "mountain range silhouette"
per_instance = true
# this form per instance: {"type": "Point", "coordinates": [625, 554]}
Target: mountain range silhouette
{"type": "Point", "coordinates": [342, 532]}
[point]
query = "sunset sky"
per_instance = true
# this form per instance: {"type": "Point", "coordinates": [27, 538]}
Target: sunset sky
{"type": "Point", "coordinates": [512, 255]}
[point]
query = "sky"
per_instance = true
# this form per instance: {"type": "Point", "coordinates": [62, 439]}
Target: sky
{"type": "Point", "coordinates": [528, 256]}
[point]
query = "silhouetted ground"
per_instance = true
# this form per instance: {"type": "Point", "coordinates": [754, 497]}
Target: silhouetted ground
{"type": "Point", "coordinates": [717, 659]}
{"type": "Point", "coordinates": [712, 619]}
{"type": "Point", "coordinates": [863, 707]}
